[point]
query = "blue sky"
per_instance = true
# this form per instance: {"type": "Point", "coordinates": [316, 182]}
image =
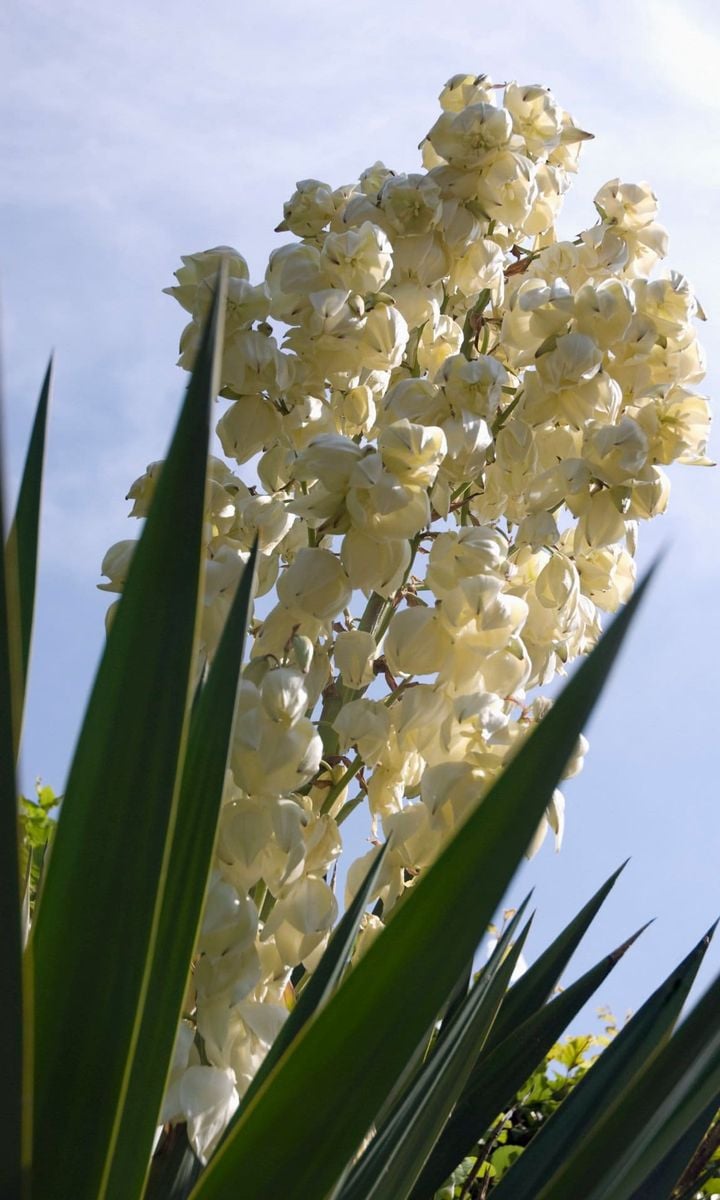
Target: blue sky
{"type": "Point", "coordinates": [134, 134]}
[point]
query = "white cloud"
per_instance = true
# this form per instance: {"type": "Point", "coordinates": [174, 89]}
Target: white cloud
{"type": "Point", "coordinates": [143, 132]}
{"type": "Point", "coordinates": [683, 43]}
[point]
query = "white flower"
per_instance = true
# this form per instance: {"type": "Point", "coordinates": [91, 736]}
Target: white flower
{"type": "Point", "coordinates": [208, 1098]}
{"type": "Point", "coordinates": [416, 642]}
{"type": "Point", "coordinates": [359, 260]}
{"type": "Point", "coordinates": [355, 652]}
{"type": "Point", "coordinates": [316, 583]}
{"type": "Point", "coordinates": [116, 565]}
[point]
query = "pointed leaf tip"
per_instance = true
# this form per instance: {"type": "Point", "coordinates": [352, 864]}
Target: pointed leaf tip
{"type": "Point", "coordinates": [617, 954]}
{"type": "Point", "coordinates": [708, 937]}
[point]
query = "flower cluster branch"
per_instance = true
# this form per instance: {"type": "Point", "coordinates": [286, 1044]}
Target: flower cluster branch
{"type": "Point", "coordinates": [453, 421]}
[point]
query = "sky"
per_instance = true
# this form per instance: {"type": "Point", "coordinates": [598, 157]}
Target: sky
{"type": "Point", "coordinates": [132, 134]}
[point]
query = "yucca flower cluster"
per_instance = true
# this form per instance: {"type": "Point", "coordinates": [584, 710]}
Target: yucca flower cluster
{"type": "Point", "coordinates": [452, 421]}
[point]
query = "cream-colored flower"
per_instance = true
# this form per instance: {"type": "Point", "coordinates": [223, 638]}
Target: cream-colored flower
{"type": "Point", "coordinates": [316, 583]}
{"type": "Point", "coordinates": [359, 260]}
{"type": "Point", "coordinates": [416, 642]}
{"type": "Point", "coordinates": [355, 653]}
{"type": "Point", "coordinates": [374, 565]}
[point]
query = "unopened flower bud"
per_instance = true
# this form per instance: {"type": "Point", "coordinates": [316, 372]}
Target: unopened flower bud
{"type": "Point", "coordinates": [303, 650]}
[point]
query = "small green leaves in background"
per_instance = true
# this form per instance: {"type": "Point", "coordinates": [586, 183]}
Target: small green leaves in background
{"type": "Point", "coordinates": [38, 822]}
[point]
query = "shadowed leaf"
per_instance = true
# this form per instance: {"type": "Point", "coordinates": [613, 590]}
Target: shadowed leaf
{"type": "Point", "coordinates": [95, 935]}
{"type": "Point", "coordinates": [22, 543]}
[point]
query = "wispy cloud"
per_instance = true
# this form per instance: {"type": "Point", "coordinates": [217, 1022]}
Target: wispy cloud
{"type": "Point", "coordinates": [139, 133]}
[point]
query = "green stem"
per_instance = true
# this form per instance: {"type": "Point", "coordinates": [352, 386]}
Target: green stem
{"type": "Point", "coordinates": [268, 906]}
{"type": "Point", "coordinates": [503, 416]}
{"type": "Point", "coordinates": [372, 613]}
{"type": "Point", "coordinates": [382, 627]}
{"type": "Point", "coordinates": [258, 894]}
{"type": "Point", "coordinates": [470, 332]}
{"type": "Point", "coordinates": [459, 491]}
{"type": "Point", "coordinates": [402, 687]}
{"type": "Point", "coordinates": [386, 617]}
{"type": "Point", "coordinates": [341, 784]}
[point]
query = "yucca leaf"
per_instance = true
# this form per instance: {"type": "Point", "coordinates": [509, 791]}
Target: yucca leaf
{"type": "Point", "coordinates": [664, 1178]}
{"type": "Point", "coordinates": [460, 994]}
{"type": "Point", "coordinates": [322, 982]}
{"type": "Point", "coordinates": [430, 1044]}
{"type": "Point", "coordinates": [536, 985]}
{"type": "Point", "coordinates": [336, 1074]}
{"type": "Point", "coordinates": [14, 1045]}
{"type": "Point", "coordinates": [501, 1071]}
{"type": "Point", "coordinates": [95, 934]}
{"type": "Point", "coordinates": [190, 860]}
{"type": "Point", "coordinates": [395, 1115]}
{"type": "Point", "coordinates": [457, 997]}
{"type": "Point", "coordinates": [635, 1134]}
{"type": "Point", "coordinates": [22, 542]}
{"type": "Point", "coordinates": [392, 1162]}
{"type": "Point", "coordinates": [625, 1057]}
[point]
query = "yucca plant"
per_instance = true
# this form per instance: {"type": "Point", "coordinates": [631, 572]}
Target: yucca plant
{"type": "Point", "coordinates": [388, 1071]}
